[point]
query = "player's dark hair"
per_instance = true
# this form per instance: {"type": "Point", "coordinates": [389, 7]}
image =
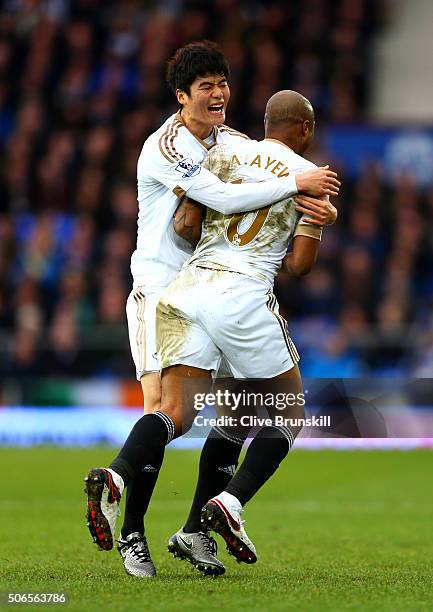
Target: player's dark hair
{"type": "Point", "coordinates": [195, 60]}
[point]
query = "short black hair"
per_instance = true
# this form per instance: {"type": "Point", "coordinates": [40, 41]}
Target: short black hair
{"type": "Point", "coordinates": [195, 60]}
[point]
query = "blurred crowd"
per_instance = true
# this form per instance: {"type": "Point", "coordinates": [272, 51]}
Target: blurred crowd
{"type": "Point", "coordinates": [82, 85]}
{"type": "Point", "coordinates": [367, 306]}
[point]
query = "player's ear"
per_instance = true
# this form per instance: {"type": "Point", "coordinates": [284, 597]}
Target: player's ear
{"type": "Point", "coordinates": [181, 96]}
{"type": "Point", "coordinates": [305, 127]}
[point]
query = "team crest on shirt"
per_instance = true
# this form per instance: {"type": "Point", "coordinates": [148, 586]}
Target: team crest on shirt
{"type": "Point", "coordinates": [188, 168]}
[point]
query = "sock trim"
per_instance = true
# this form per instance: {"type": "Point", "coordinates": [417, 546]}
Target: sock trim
{"type": "Point", "coordinates": [287, 433]}
{"type": "Point", "coordinates": [229, 437]}
{"type": "Point", "coordinates": [168, 423]}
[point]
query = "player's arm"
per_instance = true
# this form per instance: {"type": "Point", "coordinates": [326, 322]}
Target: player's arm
{"type": "Point", "coordinates": [306, 244]}
{"type": "Point", "coordinates": [187, 220]}
{"type": "Point", "coordinates": [303, 257]}
{"type": "Point", "coordinates": [227, 198]}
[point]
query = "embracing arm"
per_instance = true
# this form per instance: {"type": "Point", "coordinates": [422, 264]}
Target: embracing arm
{"type": "Point", "coordinates": [188, 218]}
{"type": "Point", "coordinates": [186, 177]}
{"type": "Point", "coordinates": [228, 198]}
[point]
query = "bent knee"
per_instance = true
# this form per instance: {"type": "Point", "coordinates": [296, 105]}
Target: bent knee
{"type": "Point", "coordinates": [182, 420]}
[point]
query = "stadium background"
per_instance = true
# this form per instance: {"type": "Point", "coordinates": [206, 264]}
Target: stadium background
{"type": "Point", "coordinates": [81, 85]}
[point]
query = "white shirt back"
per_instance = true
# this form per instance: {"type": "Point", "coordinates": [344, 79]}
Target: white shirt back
{"type": "Point", "coordinates": [252, 243]}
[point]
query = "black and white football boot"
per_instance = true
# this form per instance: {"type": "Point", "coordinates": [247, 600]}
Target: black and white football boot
{"type": "Point", "coordinates": [228, 524]}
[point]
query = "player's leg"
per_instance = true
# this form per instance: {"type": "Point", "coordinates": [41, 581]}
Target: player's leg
{"type": "Point", "coordinates": [103, 506]}
{"type": "Point", "coordinates": [179, 384]}
{"type": "Point", "coordinates": [218, 462]}
{"type": "Point", "coordinates": [140, 489]}
{"type": "Point", "coordinates": [272, 443]}
{"type": "Point", "coordinates": [145, 447]}
{"type": "Point", "coordinates": [104, 487]}
{"type": "Point", "coordinates": [260, 349]}
{"type": "Point", "coordinates": [133, 546]}
{"type": "Point", "coordinates": [219, 456]}
{"type": "Point", "coordinates": [145, 442]}
{"type": "Point", "coordinates": [265, 453]}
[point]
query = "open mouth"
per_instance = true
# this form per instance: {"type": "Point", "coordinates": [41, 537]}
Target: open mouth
{"type": "Point", "coordinates": [216, 109]}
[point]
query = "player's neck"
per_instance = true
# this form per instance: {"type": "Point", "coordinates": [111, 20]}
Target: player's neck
{"type": "Point", "coordinates": [197, 128]}
{"type": "Point", "coordinates": [283, 140]}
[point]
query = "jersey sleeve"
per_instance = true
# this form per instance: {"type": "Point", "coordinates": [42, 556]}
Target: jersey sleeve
{"type": "Point", "coordinates": [189, 176]}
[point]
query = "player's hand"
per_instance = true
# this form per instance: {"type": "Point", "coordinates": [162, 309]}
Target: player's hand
{"type": "Point", "coordinates": [320, 210]}
{"type": "Point", "coordinates": [318, 182]}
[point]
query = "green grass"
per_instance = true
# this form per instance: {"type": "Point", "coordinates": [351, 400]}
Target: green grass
{"type": "Point", "coordinates": [333, 531]}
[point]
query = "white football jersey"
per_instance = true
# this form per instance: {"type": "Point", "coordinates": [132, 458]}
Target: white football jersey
{"type": "Point", "coordinates": [252, 243]}
{"type": "Point", "coordinates": [168, 167]}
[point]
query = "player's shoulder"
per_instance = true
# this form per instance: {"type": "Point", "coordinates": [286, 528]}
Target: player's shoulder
{"type": "Point", "coordinates": [228, 134]}
{"type": "Point", "coordinates": [232, 147]}
{"type": "Point", "coordinates": [302, 163]}
{"type": "Point", "coordinates": [293, 160]}
{"type": "Point", "coordinates": [167, 143]}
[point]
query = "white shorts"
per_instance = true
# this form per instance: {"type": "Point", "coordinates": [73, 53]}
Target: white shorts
{"type": "Point", "coordinates": [204, 314]}
{"type": "Point", "coordinates": [141, 315]}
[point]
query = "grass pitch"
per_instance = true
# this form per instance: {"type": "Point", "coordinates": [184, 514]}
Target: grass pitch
{"type": "Point", "coordinates": [333, 531]}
